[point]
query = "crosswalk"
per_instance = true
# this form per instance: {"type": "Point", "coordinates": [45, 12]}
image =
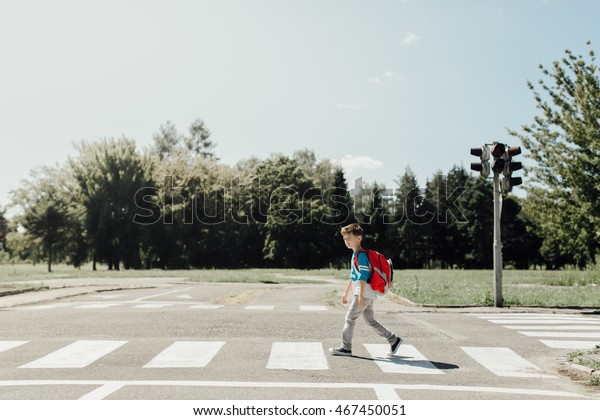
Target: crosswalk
{"type": "Point", "coordinates": [290, 356]}
{"type": "Point", "coordinates": [559, 331]}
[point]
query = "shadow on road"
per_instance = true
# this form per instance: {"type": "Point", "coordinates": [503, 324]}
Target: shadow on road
{"type": "Point", "coordinates": [409, 361]}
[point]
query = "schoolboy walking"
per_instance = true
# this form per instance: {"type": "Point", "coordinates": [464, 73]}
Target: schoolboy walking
{"type": "Point", "coordinates": [364, 296]}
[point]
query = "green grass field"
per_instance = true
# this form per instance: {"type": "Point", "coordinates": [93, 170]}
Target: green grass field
{"type": "Point", "coordinates": [564, 288]}
{"type": "Point", "coordinates": [11, 273]}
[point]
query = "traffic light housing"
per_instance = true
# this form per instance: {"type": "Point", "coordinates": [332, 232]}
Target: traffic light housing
{"type": "Point", "coordinates": [508, 182]}
{"type": "Point", "coordinates": [483, 167]}
{"type": "Point", "coordinates": [502, 163]}
{"type": "Point", "coordinates": [498, 151]}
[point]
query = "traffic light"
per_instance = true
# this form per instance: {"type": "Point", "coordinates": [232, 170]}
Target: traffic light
{"type": "Point", "coordinates": [498, 152]}
{"type": "Point", "coordinates": [508, 182]}
{"type": "Point", "coordinates": [484, 154]}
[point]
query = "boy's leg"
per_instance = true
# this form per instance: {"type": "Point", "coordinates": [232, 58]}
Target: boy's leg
{"type": "Point", "coordinates": [353, 313]}
{"type": "Point", "coordinates": [369, 316]}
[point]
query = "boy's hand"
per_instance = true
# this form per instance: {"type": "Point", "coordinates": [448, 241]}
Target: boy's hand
{"type": "Point", "coordinates": [361, 301]}
{"type": "Point", "coordinates": [344, 299]}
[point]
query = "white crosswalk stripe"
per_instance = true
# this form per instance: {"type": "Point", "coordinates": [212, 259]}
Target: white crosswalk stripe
{"type": "Point", "coordinates": [7, 345]}
{"type": "Point", "coordinates": [561, 334]}
{"type": "Point", "coordinates": [570, 344]}
{"type": "Point", "coordinates": [313, 308]}
{"type": "Point", "coordinates": [297, 356]}
{"type": "Point", "coordinates": [528, 316]}
{"type": "Point", "coordinates": [260, 307]}
{"type": "Point", "coordinates": [153, 305]}
{"type": "Point", "coordinates": [98, 306]}
{"type": "Point", "coordinates": [76, 355]}
{"type": "Point", "coordinates": [553, 326]}
{"type": "Point", "coordinates": [186, 354]}
{"type": "Point", "coordinates": [503, 361]}
{"type": "Point", "coordinates": [543, 321]}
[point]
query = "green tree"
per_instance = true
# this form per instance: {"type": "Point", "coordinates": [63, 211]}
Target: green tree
{"type": "Point", "coordinates": [338, 212]}
{"type": "Point", "coordinates": [168, 142]}
{"type": "Point", "coordinates": [288, 207]}
{"type": "Point", "coordinates": [199, 142]}
{"type": "Point", "coordinates": [376, 216]}
{"type": "Point", "coordinates": [46, 204]}
{"type": "Point", "coordinates": [564, 141]}
{"type": "Point", "coordinates": [412, 217]}
{"type": "Point", "coordinates": [109, 173]}
{"type": "Point", "coordinates": [448, 233]}
{"type": "Point", "coordinates": [3, 229]}
{"type": "Point", "coordinates": [477, 202]}
{"type": "Point", "coordinates": [520, 242]}
{"type": "Point", "coordinates": [457, 221]}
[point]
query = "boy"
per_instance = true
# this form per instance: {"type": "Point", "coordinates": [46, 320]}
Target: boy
{"type": "Point", "coordinates": [364, 296]}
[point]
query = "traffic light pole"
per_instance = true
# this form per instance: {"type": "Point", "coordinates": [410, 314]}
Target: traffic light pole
{"type": "Point", "coordinates": [502, 164]}
{"type": "Point", "coordinates": [497, 243]}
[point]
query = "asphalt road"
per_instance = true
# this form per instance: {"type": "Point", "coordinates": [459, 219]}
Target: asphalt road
{"type": "Point", "coordinates": [269, 341]}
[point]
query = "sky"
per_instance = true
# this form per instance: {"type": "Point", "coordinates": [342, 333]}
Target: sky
{"type": "Point", "coordinates": [377, 86]}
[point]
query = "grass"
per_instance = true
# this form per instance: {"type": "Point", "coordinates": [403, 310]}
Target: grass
{"type": "Point", "coordinates": [12, 273]}
{"type": "Point", "coordinates": [590, 359]}
{"type": "Point", "coordinates": [563, 288]}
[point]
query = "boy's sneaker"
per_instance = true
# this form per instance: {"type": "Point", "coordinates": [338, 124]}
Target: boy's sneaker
{"type": "Point", "coordinates": [340, 351]}
{"type": "Point", "coordinates": [395, 346]}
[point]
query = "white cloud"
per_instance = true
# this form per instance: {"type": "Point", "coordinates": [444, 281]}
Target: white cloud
{"type": "Point", "coordinates": [375, 80]}
{"type": "Point", "coordinates": [352, 163]}
{"type": "Point", "coordinates": [393, 75]}
{"type": "Point", "coordinates": [410, 38]}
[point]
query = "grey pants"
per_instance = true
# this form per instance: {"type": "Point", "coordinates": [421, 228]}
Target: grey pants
{"type": "Point", "coordinates": [354, 311]}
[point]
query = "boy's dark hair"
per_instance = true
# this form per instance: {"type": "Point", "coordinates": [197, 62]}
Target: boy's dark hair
{"type": "Point", "coordinates": [353, 229]}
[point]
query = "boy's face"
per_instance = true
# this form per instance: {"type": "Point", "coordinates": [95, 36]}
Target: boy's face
{"type": "Point", "coordinates": [351, 241]}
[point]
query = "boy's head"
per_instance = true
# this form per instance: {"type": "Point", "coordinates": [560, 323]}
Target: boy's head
{"type": "Point", "coordinates": [353, 235]}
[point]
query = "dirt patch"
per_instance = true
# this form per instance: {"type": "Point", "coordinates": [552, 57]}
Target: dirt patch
{"type": "Point", "coordinates": [242, 297]}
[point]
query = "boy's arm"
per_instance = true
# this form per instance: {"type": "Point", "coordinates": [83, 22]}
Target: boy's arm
{"type": "Point", "coordinates": [361, 301]}
{"type": "Point", "coordinates": [346, 292]}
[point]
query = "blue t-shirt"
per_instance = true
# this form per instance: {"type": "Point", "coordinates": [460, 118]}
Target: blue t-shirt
{"type": "Point", "coordinates": [363, 272]}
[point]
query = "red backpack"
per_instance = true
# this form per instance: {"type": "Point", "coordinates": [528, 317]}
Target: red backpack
{"type": "Point", "coordinates": [382, 271]}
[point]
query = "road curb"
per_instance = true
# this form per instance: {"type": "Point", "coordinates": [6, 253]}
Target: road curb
{"type": "Point", "coordinates": [19, 291]}
{"type": "Point", "coordinates": [32, 296]}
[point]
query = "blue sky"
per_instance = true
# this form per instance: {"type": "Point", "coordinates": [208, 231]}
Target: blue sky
{"type": "Point", "coordinates": [375, 85]}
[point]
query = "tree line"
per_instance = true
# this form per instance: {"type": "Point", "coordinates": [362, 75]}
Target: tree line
{"type": "Point", "coordinates": [174, 205]}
